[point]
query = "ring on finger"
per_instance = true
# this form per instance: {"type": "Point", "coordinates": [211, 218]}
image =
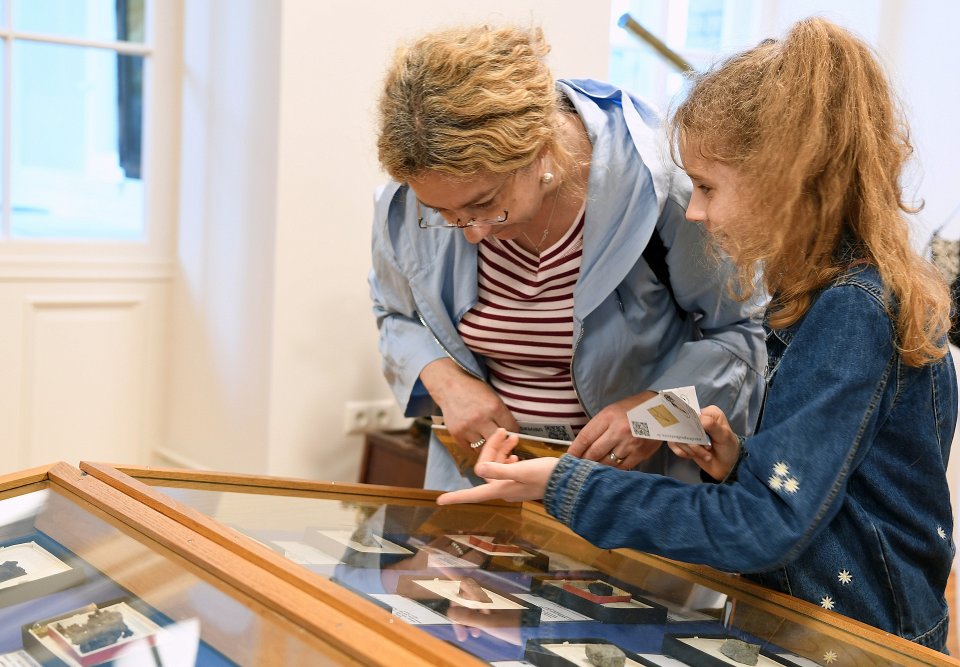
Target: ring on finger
{"type": "Point", "coordinates": [477, 444]}
{"type": "Point", "coordinates": [616, 459]}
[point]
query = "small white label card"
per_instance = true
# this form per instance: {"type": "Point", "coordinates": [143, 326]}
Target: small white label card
{"type": "Point", "coordinates": [562, 432]}
{"type": "Point", "coordinates": [304, 554]}
{"type": "Point", "coordinates": [551, 612]}
{"type": "Point", "coordinates": [672, 415]}
{"type": "Point", "coordinates": [412, 612]}
{"type": "Point", "coordinates": [438, 558]}
{"type": "Point", "coordinates": [18, 659]}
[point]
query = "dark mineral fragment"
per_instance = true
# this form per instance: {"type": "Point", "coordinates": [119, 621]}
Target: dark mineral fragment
{"type": "Point", "coordinates": [471, 590]}
{"type": "Point", "coordinates": [365, 537]}
{"type": "Point", "coordinates": [600, 588]}
{"type": "Point", "coordinates": [741, 651]}
{"type": "Point", "coordinates": [103, 628]}
{"type": "Point", "coordinates": [605, 655]}
{"type": "Point", "coordinates": [11, 570]}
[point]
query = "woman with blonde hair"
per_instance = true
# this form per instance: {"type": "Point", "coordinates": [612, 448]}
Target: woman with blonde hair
{"type": "Point", "coordinates": [532, 268]}
{"type": "Point", "coordinates": [795, 149]}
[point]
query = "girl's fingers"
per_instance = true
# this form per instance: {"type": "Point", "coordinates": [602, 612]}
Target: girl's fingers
{"type": "Point", "coordinates": [498, 447]}
{"type": "Point", "coordinates": [477, 494]}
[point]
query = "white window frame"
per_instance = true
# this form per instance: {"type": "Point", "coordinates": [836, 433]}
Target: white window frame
{"type": "Point", "coordinates": [40, 258]}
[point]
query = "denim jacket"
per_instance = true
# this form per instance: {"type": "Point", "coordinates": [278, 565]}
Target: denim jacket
{"type": "Point", "coordinates": [841, 498]}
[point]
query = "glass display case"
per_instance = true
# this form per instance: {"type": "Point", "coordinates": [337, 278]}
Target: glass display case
{"type": "Point", "coordinates": [497, 583]}
{"type": "Point", "coordinates": [91, 576]}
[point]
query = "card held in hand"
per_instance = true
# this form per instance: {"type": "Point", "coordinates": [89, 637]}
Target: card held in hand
{"type": "Point", "coordinates": [672, 415]}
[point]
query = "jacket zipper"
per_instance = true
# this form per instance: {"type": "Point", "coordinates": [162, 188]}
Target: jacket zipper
{"type": "Point", "coordinates": [573, 378]}
{"type": "Point", "coordinates": [447, 352]}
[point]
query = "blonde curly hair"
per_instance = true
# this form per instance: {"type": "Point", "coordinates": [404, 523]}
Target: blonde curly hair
{"type": "Point", "coordinates": [812, 125]}
{"type": "Point", "coordinates": [470, 100]}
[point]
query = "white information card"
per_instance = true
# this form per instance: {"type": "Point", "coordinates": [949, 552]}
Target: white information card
{"type": "Point", "coordinates": [672, 415]}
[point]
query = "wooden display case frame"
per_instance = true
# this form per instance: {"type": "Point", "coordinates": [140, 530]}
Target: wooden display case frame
{"type": "Point", "coordinates": [332, 635]}
{"type": "Point", "coordinates": [811, 631]}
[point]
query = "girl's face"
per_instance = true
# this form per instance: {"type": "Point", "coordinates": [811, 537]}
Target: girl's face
{"type": "Point", "coordinates": [716, 202]}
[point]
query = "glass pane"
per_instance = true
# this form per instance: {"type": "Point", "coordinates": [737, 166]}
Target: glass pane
{"type": "Point", "coordinates": [77, 590]}
{"type": "Point", "coordinates": [75, 163]}
{"type": "Point", "coordinates": [505, 584]}
{"type": "Point", "coordinates": [100, 20]}
{"type": "Point", "coordinates": [705, 24]}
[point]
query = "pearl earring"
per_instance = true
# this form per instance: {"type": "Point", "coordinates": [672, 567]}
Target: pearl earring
{"type": "Point", "coordinates": [547, 178]}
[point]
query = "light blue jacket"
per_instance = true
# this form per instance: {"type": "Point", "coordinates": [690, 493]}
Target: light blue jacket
{"type": "Point", "coordinates": [628, 334]}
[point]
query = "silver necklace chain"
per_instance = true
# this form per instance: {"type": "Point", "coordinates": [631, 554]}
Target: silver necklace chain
{"type": "Point", "coordinates": [546, 230]}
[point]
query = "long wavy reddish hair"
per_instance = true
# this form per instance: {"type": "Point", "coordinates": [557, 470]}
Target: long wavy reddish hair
{"type": "Point", "coordinates": [811, 125]}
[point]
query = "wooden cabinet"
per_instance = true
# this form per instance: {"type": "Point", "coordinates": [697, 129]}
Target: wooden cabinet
{"type": "Point", "coordinates": [394, 458]}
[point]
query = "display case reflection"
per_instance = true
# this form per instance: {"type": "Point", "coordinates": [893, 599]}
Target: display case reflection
{"type": "Point", "coordinates": [58, 607]}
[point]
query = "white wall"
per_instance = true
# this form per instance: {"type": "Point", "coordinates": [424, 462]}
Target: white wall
{"type": "Point", "coordinates": [218, 393]}
{"type": "Point", "coordinates": [273, 330]}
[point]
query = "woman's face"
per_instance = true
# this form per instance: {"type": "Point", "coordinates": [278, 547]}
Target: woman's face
{"type": "Point", "coordinates": [717, 199]}
{"type": "Point", "coordinates": [484, 197]}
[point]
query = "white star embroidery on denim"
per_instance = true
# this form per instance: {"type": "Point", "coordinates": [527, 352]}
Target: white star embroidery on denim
{"type": "Point", "coordinates": [826, 602]}
{"type": "Point", "coordinates": [829, 657]}
{"type": "Point", "coordinates": [791, 485]}
{"type": "Point", "coordinates": [941, 533]}
{"type": "Point", "coordinates": [844, 577]}
{"type": "Point", "coordinates": [780, 469]}
{"type": "Point", "coordinates": [775, 482]}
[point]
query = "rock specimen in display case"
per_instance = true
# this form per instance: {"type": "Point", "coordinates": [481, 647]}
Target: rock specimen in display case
{"type": "Point", "coordinates": [605, 655]}
{"type": "Point", "coordinates": [471, 590]}
{"type": "Point", "coordinates": [103, 628]}
{"type": "Point", "coordinates": [740, 651]}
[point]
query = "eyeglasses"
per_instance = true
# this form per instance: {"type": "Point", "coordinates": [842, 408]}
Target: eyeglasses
{"type": "Point", "coordinates": [443, 223]}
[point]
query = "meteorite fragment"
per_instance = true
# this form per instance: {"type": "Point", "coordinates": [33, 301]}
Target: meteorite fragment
{"type": "Point", "coordinates": [600, 588]}
{"type": "Point", "coordinates": [471, 590]}
{"type": "Point", "coordinates": [365, 537]}
{"type": "Point", "coordinates": [102, 628]}
{"type": "Point", "coordinates": [605, 655]}
{"type": "Point", "coordinates": [11, 570]}
{"type": "Point", "coordinates": [741, 651]}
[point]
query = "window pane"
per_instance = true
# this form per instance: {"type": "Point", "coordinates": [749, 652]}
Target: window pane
{"type": "Point", "coordinates": [101, 20]}
{"type": "Point", "coordinates": [75, 161]}
{"type": "Point", "coordinates": [705, 24]}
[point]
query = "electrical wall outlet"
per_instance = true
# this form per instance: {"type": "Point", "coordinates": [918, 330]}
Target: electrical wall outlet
{"type": "Point", "coordinates": [378, 415]}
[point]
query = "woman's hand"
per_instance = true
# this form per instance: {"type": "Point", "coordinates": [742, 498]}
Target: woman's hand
{"type": "Point", "coordinates": [507, 478]}
{"type": "Point", "coordinates": [471, 410]}
{"type": "Point", "coordinates": [607, 438]}
{"type": "Point", "coordinates": [717, 459]}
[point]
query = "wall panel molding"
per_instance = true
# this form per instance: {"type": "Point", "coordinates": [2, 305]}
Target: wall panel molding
{"type": "Point", "coordinates": [85, 377]}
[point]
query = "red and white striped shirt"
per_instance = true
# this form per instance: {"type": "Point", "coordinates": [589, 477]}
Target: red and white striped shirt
{"type": "Point", "coordinates": [522, 325]}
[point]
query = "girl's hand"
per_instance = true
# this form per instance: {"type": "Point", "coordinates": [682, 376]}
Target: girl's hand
{"type": "Point", "coordinates": [507, 478]}
{"type": "Point", "coordinates": [717, 459]}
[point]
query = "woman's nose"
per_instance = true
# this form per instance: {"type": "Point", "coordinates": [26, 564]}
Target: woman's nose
{"type": "Point", "coordinates": [477, 234]}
